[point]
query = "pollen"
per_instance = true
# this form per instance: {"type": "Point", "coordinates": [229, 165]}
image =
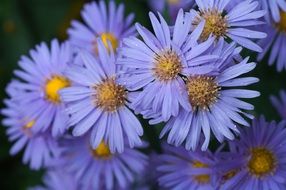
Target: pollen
{"type": "Point", "coordinates": [53, 86]}
{"type": "Point", "coordinates": [167, 66]}
{"type": "Point", "coordinates": [216, 24]}
{"type": "Point", "coordinates": [109, 95]}
{"type": "Point", "coordinates": [203, 91]}
{"type": "Point", "coordinates": [102, 151]}
{"type": "Point", "coordinates": [282, 24]}
{"type": "Point", "coordinates": [204, 178]}
{"type": "Point", "coordinates": [107, 38]}
{"type": "Point", "coordinates": [262, 162]}
{"type": "Point", "coordinates": [26, 128]}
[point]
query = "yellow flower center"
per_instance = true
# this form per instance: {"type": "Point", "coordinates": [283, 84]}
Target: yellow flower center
{"type": "Point", "coordinates": [173, 2]}
{"type": "Point", "coordinates": [202, 179]}
{"type": "Point", "coordinates": [216, 24]}
{"type": "Point", "coordinates": [53, 86]}
{"type": "Point", "coordinates": [167, 65]}
{"type": "Point", "coordinates": [262, 162]}
{"type": "Point", "coordinates": [107, 38]}
{"type": "Point", "coordinates": [110, 96]}
{"type": "Point", "coordinates": [102, 151]}
{"type": "Point", "coordinates": [203, 91]}
{"type": "Point", "coordinates": [282, 24]}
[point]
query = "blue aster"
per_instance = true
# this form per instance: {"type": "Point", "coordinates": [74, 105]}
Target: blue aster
{"type": "Point", "coordinates": [41, 79]}
{"type": "Point", "coordinates": [100, 169]}
{"type": "Point", "coordinates": [230, 22]}
{"type": "Point", "coordinates": [275, 43]}
{"type": "Point", "coordinates": [97, 102]}
{"type": "Point", "coordinates": [273, 7]}
{"type": "Point", "coordinates": [157, 63]}
{"type": "Point", "coordinates": [258, 157]}
{"type": "Point", "coordinates": [280, 103]}
{"type": "Point", "coordinates": [216, 102]}
{"type": "Point", "coordinates": [101, 20]}
{"type": "Point", "coordinates": [40, 148]}
{"type": "Point", "coordinates": [182, 169]}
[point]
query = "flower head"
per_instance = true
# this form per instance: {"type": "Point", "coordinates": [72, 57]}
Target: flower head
{"type": "Point", "coordinates": [159, 62]}
{"type": "Point", "coordinates": [182, 169]}
{"type": "Point", "coordinates": [40, 148]}
{"type": "Point", "coordinates": [104, 21]}
{"type": "Point", "coordinates": [99, 168]}
{"type": "Point", "coordinates": [233, 23]}
{"type": "Point", "coordinates": [97, 102]}
{"type": "Point", "coordinates": [275, 43]}
{"type": "Point", "coordinates": [258, 157]}
{"type": "Point", "coordinates": [215, 101]}
{"type": "Point", "coordinates": [41, 80]}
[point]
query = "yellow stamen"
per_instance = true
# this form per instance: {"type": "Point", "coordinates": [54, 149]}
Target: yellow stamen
{"type": "Point", "coordinates": [107, 38]}
{"type": "Point", "coordinates": [110, 96]}
{"type": "Point", "coordinates": [204, 178]}
{"type": "Point", "coordinates": [53, 86]}
{"type": "Point", "coordinates": [262, 162]}
{"type": "Point", "coordinates": [102, 151]}
{"type": "Point", "coordinates": [282, 24]}
{"type": "Point", "coordinates": [216, 24]}
{"type": "Point", "coordinates": [167, 65]}
{"type": "Point", "coordinates": [203, 91]}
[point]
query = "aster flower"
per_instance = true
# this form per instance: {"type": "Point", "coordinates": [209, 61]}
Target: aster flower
{"type": "Point", "coordinates": [99, 168]}
{"type": "Point", "coordinates": [39, 147]}
{"type": "Point", "coordinates": [273, 8]}
{"type": "Point", "coordinates": [101, 21]}
{"type": "Point", "coordinates": [182, 169]}
{"type": "Point", "coordinates": [215, 101]}
{"type": "Point", "coordinates": [42, 78]}
{"type": "Point", "coordinates": [97, 102]}
{"type": "Point", "coordinates": [173, 6]}
{"type": "Point", "coordinates": [280, 103]}
{"type": "Point", "coordinates": [275, 43]}
{"type": "Point", "coordinates": [231, 23]}
{"type": "Point", "coordinates": [57, 179]}
{"type": "Point", "coordinates": [259, 157]}
{"type": "Point", "coordinates": [158, 62]}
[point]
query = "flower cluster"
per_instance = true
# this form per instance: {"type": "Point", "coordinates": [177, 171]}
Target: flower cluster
{"type": "Point", "coordinates": [77, 107]}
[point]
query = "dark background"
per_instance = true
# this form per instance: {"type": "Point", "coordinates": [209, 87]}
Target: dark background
{"type": "Point", "coordinates": [25, 23]}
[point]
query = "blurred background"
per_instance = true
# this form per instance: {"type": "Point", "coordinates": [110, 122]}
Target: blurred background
{"type": "Point", "coordinates": [25, 23]}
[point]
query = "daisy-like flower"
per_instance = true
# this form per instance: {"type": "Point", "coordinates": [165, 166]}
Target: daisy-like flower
{"type": "Point", "coordinates": [275, 43]}
{"type": "Point", "coordinates": [280, 103]}
{"type": "Point", "coordinates": [158, 62]}
{"type": "Point", "coordinates": [99, 168]}
{"type": "Point", "coordinates": [182, 169]}
{"type": "Point", "coordinates": [97, 102]}
{"type": "Point", "coordinates": [101, 21]}
{"type": "Point", "coordinates": [259, 157]}
{"type": "Point", "coordinates": [215, 101]}
{"type": "Point", "coordinates": [231, 23]}
{"type": "Point", "coordinates": [57, 179]}
{"type": "Point", "coordinates": [42, 77]}
{"type": "Point", "coordinates": [273, 8]}
{"type": "Point", "coordinates": [173, 6]}
{"type": "Point", "coordinates": [39, 147]}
